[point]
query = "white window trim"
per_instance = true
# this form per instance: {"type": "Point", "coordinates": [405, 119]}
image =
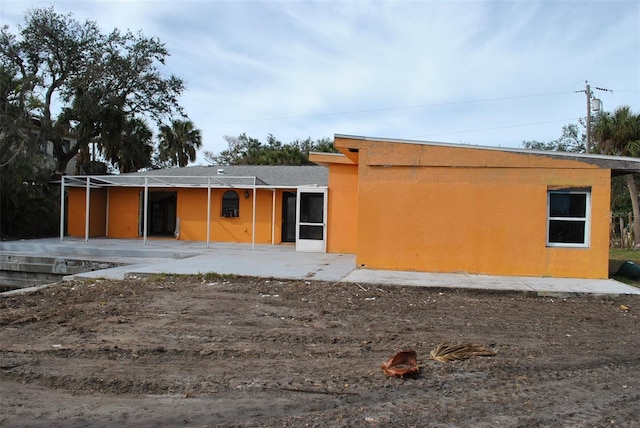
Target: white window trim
{"type": "Point", "coordinates": [586, 219]}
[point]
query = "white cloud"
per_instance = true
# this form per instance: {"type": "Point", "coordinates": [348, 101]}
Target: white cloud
{"type": "Point", "coordinates": [290, 68]}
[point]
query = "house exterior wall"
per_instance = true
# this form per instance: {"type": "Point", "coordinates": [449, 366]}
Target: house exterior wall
{"type": "Point", "coordinates": [77, 212]}
{"type": "Point", "coordinates": [342, 207]}
{"type": "Point", "coordinates": [451, 209]}
{"type": "Point", "coordinates": [191, 210]}
{"type": "Point", "coordinates": [123, 212]}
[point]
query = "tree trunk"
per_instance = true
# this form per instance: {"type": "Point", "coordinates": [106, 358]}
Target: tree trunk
{"type": "Point", "coordinates": [633, 193]}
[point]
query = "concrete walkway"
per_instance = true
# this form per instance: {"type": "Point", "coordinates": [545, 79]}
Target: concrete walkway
{"type": "Point", "coordinates": [280, 261]}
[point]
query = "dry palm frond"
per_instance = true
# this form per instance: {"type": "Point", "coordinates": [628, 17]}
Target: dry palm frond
{"type": "Point", "coordinates": [446, 352]}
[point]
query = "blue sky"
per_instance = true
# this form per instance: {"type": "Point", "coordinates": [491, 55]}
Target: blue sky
{"type": "Point", "coordinates": [477, 72]}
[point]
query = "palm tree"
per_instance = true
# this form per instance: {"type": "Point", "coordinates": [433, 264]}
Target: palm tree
{"type": "Point", "coordinates": [179, 143]}
{"type": "Point", "coordinates": [130, 147]}
{"type": "Point", "coordinates": [618, 134]}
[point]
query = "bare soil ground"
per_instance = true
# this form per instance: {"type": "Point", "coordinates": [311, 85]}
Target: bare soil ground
{"type": "Point", "coordinates": [214, 351]}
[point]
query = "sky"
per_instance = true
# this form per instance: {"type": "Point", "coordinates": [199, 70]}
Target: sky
{"type": "Point", "coordinates": [492, 73]}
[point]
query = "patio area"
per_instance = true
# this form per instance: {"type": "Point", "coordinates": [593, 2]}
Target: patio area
{"type": "Point", "coordinates": [170, 256]}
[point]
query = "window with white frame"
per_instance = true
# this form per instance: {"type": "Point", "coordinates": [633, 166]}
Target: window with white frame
{"type": "Point", "coordinates": [568, 217]}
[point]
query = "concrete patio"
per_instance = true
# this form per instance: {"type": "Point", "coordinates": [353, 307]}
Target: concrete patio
{"type": "Point", "coordinates": [170, 256]}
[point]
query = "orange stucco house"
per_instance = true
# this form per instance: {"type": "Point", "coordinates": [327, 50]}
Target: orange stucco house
{"type": "Point", "coordinates": [395, 204]}
{"type": "Point", "coordinates": [245, 204]}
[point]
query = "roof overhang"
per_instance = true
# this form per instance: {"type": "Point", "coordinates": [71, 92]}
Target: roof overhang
{"type": "Point", "coordinates": [324, 159]}
{"type": "Point", "coordinates": [619, 165]}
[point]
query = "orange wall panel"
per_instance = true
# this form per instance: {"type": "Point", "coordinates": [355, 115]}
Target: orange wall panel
{"type": "Point", "coordinates": [342, 217]}
{"type": "Point", "coordinates": [192, 213]}
{"type": "Point", "coordinates": [77, 212]}
{"type": "Point", "coordinates": [124, 205]}
{"type": "Point", "coordinates": [239, 229]}
{"type": "Point", "coordinates": [468, 220]}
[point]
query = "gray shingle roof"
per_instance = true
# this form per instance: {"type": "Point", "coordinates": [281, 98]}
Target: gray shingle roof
{"type": "Point", "coordinates": [200, 176]}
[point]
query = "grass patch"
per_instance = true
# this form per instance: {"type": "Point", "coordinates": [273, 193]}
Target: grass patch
{"type": "Point", "coordinates": [623, 254]}
{"type": "Point", "coordinates": [617, 256]}
{"type": "Point", "coordinates": [214, 276]}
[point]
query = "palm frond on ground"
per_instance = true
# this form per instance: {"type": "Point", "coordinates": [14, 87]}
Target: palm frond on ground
{"type": "Point", "coordinates": [446, 352]}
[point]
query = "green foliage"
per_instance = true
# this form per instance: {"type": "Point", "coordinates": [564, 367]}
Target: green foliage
{"type": "Point", "coordinates": [220, 277]}
{"type": "Point", "coordinates": [104, 85]}
{"type": "Point", "coordinates": [129, 147]}
{"type": "Point", "coordinates": [244, 150]}
{"type": "Point", "coordinates": [620, 201]}
{"type": "Point", "coordinates": [179, 143]}
{"type": "Point", "coordinates": [571, 140]}
{"type": "Point", "coordinates": [624, 254]}
{"type": "Point", "coordinates": [28, 209]}
{"type": "Point", "coordinates": [617, 133]}
{"type": "Point", "coordinates": [28, 204]}
{"type": "Point", "coordinates": [103, 82]}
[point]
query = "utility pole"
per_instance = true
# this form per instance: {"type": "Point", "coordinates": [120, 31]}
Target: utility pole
{"type": "Point", "coordinates": [589, 95]}
{"type": "Point", "coordinates": [597, 107]}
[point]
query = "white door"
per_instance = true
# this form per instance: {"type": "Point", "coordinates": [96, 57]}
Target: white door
{"type": "Point", "coordinates": [311, 226]}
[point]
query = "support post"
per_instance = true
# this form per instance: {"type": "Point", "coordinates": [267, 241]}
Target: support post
{"type": "Point", "coordinates": [146, 209]}
{"type": "Point", "coordinates": [253, 225]}
{"type": "Point", "coordinates": [87, 209]}
{"type": "Point", "coordinates": [62, 209]}
{"type": "Point", "coordinates": [273, 217]}
{"type": "Point", "coordinates": [208, 210]}
{"type": "Point", "coordinates": [106, 221]}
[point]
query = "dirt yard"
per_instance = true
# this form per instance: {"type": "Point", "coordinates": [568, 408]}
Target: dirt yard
{"type": "Point", "coordinates": [214, 351]}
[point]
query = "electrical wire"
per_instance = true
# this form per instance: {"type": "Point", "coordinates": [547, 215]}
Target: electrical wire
{"type": "Point", "coordinates": [496, 127]}
{"type": "Point", "coordinates": [387, 108]}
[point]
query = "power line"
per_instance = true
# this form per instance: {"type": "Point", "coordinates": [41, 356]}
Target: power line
{"type": "Point", "coordinates": [387, 109]}
{"type": "Point", "coordinates": [496, 128]}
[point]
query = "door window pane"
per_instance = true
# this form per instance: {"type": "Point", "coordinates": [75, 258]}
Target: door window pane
{"type": "Point", "coordinates": [288, 217]}
{"type": "Point", "coordinates": [311, 207]}
{"type": "Point", "coordinates": [311, 232]}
